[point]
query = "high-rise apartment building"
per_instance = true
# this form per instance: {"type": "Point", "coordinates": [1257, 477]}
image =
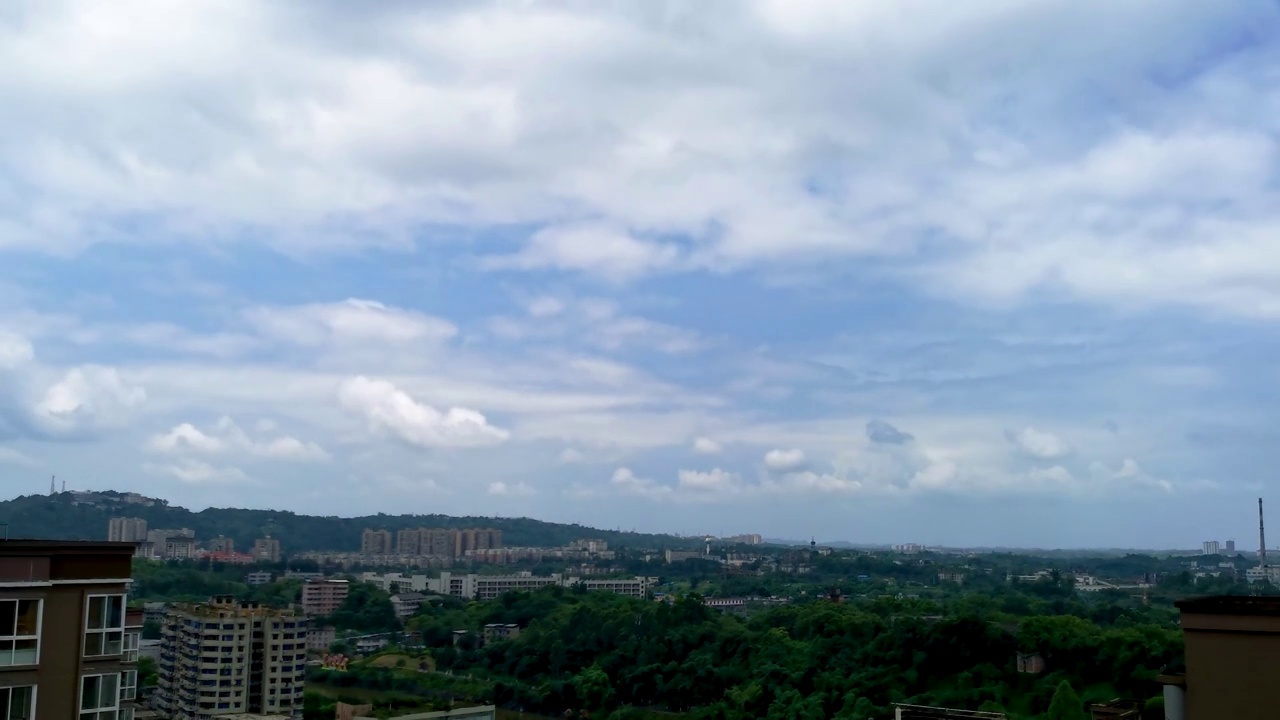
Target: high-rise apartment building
{"type": "Point", "coordinates": [66, 650]}
{"type": "Point", "coordinates": [376, 542]}
{"type": "Point", "coordinates": [126, 529]}
{"type": "Point", "coordinates": [222, 544]}
{"type": "Point", "coordinates": [226, 657]}
{"type": "Point", "coordinates": [1231, 547]}
{"type": "Point", "coordinates": [409, 542]}
{"type": "Point", "coordinates": [436, 542]}
{"type": "Point", "coordinates": [266, 549]}
{"type": "Point", "coordinates": [1210, 547]}
{"type": "Point", "coordinates": [322, 597]}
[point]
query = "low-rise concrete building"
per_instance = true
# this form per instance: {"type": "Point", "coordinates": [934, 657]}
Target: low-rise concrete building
{"type": "Point", "coordinates": [406, 604]}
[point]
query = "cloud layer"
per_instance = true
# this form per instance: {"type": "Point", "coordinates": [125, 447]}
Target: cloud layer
{"type": "Point", "coordinates": [860, 268]}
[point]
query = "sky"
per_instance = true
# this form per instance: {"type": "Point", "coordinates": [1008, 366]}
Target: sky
{"type": "Point", "coordinates": [985, 273]}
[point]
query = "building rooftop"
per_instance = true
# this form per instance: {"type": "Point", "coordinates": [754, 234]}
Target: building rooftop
{"type": "Point", "coordinates": [921, 712]}
{"type": "Point", "coordinates": [1231, 605]}
{"type": "Point", "coordinates": [27, 546]}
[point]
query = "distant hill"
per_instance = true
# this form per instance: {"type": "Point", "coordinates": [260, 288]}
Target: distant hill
{"type": "Point", "coordinates": [85, 516]}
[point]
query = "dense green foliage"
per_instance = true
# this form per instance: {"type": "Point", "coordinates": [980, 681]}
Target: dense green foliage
{"type": "Point", "coordinates": [366, 609]}
{"type": "Point", "coordinates": [816, 660]}
{"type": "Point", "coordinates": [59, 517]}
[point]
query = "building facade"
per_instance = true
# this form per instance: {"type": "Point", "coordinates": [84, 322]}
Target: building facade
{"type": "Point", "coordinates": [488, 587]}
{"type": "Point", "coordinates": [1210, 547]}
{"type": "Point", "coordinates": [126, 529]}
{"type": "Point", "coordinates": [227, 657]}
{"type": "Point", "coordinates": [375, 542]}
{"type": "Point", "coordinates": [323, 597]}
{"type": "Point", "coordinates": [1231, 644]}
{"type": "Point", "coordinates": [66, 648]}
{"type": "Point", "coordinates": [266, 549]}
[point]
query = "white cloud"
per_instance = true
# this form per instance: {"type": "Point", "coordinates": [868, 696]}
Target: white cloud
{"type": "Point", "coordinates": [569, 456]}
{"type": "Point", "coordinates": [88, 398]}
{"type": "Point", "coordinates": [595, 322]}
{"type": "Point", "coordinates": [706, 446]}
{"type": "Point", "coordinates": [387, 408]}
{"type": "Point", "coordinates": [503, 489]}
{"type": "Point", "coordinates": [351, 321]}
{"type": "Point", "coordinates": [599, 249]}
{"type": "Point", "coordinates": [226, 437]}
{"type": "Point", "coordinates": [1039, 445]}
{"type": "Point", "coordinates": [782, 461]}
{"type": "Point", "coordinates": [715, 481]}
{"type": "Point", "coordinates": [626, 481]}
{"type": "Point", "coordinates": [611, 139]}
{"type": "Point", "coordinates": [15, 351]}
{"type": "Point", "coordinates": [196, 472]}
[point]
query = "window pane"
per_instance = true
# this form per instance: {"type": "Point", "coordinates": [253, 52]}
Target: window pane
{"type": "Point", "coordinates": [20, 704]}
{"type": "Point", "coordinates": [97, 611]}
{"type": "Point", "coordinates": [115, 613]}
{"type": "Point", "coordinates": [110, 692]}
{"type": "Point", "coordinates": [8, 609]}
{"type": "Point", "coordinates": [111, 643]}
{"type": "Point", "coordinates": [24, 652]}
{"type": "Point", "coordinates": [28, 617]}
{"type": "Point", "coordinates": [89, 692]}
{"type": "Point", "coordinates": [92, 644]}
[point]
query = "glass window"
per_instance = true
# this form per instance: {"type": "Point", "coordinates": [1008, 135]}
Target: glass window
{"type": "Point", "coordinates": [131, 641]}
{"type": "Point", "coordinates": [104, 625]}
{"type": "Point", "coordinates": [100, 697]}
{"type": "Point", "coordinates": [128, 684]}
{"type": "Point", "coordinates": [19, 632]}
{"type": "Point", "coordinates": [17, 703]}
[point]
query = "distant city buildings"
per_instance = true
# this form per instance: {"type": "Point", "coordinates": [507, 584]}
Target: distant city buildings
{"type": "Point", "coordinates": [1210, 547]}
{"type": "Point", "coordinates": [257, 578]}
{"type": "Point", "coordinates": [375, 542]}
{"type": "Point", "coordinates": [753, 539]}
{"type": "Point", "coordinates": [488, 587]}
{"type": "Point", "coordinates": [225, 657]}
{"type": "Point", "coordinates": [266, 549]}
{"type": "Point", "coordinates": [406, 604]}
{"type": "Point", "coordinates": [126, 529]}
{"type": "Point", "coordinates": [909, 548]}
{"type": "Point", "coordinates": [222, 544]}
{"type": "Point", "coordinates": [322, 597]}
{"type": "Point", "coordinates": [674, 556]}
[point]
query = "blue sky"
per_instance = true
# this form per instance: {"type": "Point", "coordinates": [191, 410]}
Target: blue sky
{"type": "Point", "coordinates": [961, 273]}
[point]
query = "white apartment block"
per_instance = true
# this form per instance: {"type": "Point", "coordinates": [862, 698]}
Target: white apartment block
{"type": "Point", "coordinates": [126, 529]}
{"type": "Point", "coordinates": [224, 658]}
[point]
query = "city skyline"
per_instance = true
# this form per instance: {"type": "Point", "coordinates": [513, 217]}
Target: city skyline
{"type": "Point", "coordinates": [996, 275]}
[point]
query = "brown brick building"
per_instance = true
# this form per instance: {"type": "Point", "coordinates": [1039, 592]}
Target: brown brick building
{"type": "Point", "coordinates": [66, 650]}
{"type": "Point", "coordinates": [1231, 647]}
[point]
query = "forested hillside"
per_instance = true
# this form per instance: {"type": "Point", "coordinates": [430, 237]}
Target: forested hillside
{"type": "Point", "coordinates": [62, 517]}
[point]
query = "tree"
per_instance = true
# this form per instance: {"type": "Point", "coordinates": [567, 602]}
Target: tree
{"type": "Point", "coordinates": [1065, 704]}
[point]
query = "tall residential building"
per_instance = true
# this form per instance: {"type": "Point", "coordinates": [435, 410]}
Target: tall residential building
{"type": "Point", "coordinates": [222, 544]}
{"type": "Point", "coordinates": [436, 542]}
{"type": "Point", "coordinates": [66, 650]}
{"type": "Point", "coordinates": [126, 529]}
{"type": "Point", "coordinates": [375, 542]}
{"type": "Point", "coordinates": [1231, 547]}
{"type": "Point", "coordinates": [226, 657]}
{"type": "Point", "coordinates": [409, 542]}
{"type": "Point", "coordinates": [322, 597]}
{"type": "Point", "coordinates": [1210, 547]}
{"type": "Point", "coordinates": [266, 549]}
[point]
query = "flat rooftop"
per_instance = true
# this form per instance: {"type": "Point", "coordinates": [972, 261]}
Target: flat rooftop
{"type": "Point", "coordinates": [1231, 605]}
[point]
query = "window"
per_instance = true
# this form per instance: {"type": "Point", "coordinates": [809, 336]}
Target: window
{"type": "Point", "coordinates": [19, 632]}
{"type": "Point", "coordinates": [99, 697]}
{"type": "Point", "coordinates": [129, 685]}
{"type": "Point", "coordinates": [104, 625]}
{"type": "Point", "coordinates": [131, 647]}
{"type": "Point", "coordinates": [17, 703]}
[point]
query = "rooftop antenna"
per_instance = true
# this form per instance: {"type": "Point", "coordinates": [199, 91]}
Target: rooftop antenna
{"type": "Point", "coordinates": [1262, 538]}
